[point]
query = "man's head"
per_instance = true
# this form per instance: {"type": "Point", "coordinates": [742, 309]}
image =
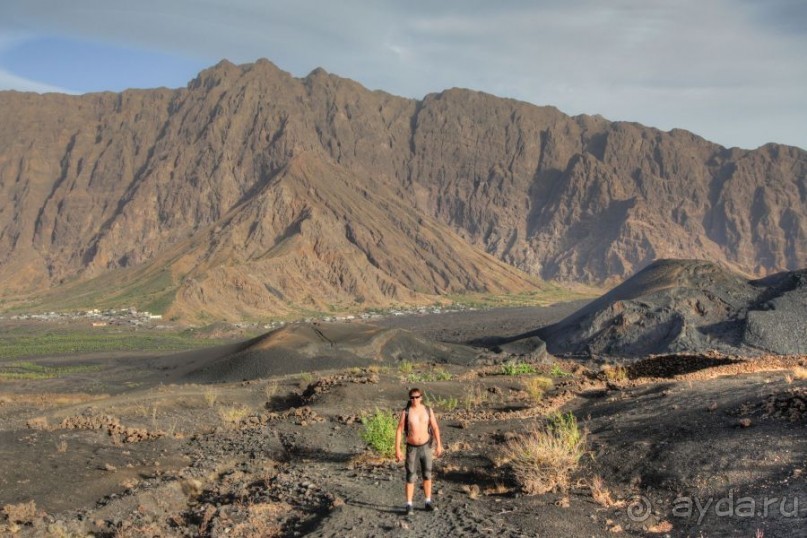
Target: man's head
{"type": "Point", "coordinates": [415, 396]}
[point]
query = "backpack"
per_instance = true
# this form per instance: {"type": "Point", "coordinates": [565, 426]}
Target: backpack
{"type": "Point", "coordinates": [406, 421]}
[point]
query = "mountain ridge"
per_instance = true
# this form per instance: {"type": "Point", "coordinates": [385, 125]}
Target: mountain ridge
{"type": "Point", "coordinates": [104, 182]}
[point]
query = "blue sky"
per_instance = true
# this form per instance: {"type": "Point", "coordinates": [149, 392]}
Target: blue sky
{"type": "Point", "coordinates": [732, 71]}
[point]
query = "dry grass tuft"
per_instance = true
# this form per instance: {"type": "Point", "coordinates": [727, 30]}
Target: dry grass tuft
{"type": "Point", "coordinates": [192, 487]}
{"type": "Point", "coordinates": [662, 527]}
{"type": "Point", "coordinates": [799, 372]}
{"type": "Point", "coordinates": [49, 399]}
{"type": "Point", "coordinates": [498, 488]}
{"type": "Point", "coordinates": [543, 459]}
{"type": "Point", "coordinates": [460, 446]}
{"type": "Point", "coordinates": [367, 459]}
{"type": "Point", "coordinates": [270, 390]}
{"type": "Point", "coordinates": [615, 373]}
{"type": "Point", "coordinates": [536, 386]}
{"type": "Point", "coordinates": [37, 423]}
{"type": "Point", "coordinates": [473, 491]}
{"type": "Point", "coordinates": [233, 415]}
{"type": "Point", "coordinates": [211, 396]}
{"type": "Point", "coordinates": [476, 397]}
{"type": "Point", "coordinates": [261, 519]}
{"type": "Point", "coordinates": [22, 513]}
{"type": "Point", "coordinates": [601, 494]}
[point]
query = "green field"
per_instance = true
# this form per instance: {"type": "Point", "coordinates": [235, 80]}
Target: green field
{"type": "Point", "coordinates": [550, 294]}
{"type": "Point", "coordinates": [24, 343]}
{"type": "Point", "coordinates": [28, 370]}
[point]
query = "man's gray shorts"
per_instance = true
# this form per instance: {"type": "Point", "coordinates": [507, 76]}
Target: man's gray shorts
{"type": "Point", "coordinates": [418, 454]}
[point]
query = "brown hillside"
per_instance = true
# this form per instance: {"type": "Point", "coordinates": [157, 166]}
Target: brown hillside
{"type": "Point", "coordinates": [266, 193]}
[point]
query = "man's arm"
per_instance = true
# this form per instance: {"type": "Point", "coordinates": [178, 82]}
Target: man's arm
{"type": "Point", "coordinates": [438, 450]}
{"type": "Point", "coordinates": [398, 436]}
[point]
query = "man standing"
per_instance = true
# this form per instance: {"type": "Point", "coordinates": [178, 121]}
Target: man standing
{"type": "Point", "coordinates": [419, 426]}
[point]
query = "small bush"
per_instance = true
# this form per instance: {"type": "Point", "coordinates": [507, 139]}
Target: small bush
{"type": "Point", "coordinates": [615, 374]}
{"type": "Point", "coordinates": [379, 432]}
{"type": "Point", "coordinates": [438, 374]}
{"type": "Point", "coordinates": [234, 414]}
{"type": "Point", "coordinates": [210, 397]}
{"type": "Point", "coordinates": [472, 490]}
{"type": "Point", "coordinates": [475, 397]}
{"type": "Point", "coordinates": [565, 426]}
{"type": "Point", "coordinates": [519, 368]}
{"type": "Point", "coordinates": [543, 459]}
{"type": "Point", "coordinates": [22, 513]}
{"type": "Point", "coordinates": [536, 387]}
{"type": "Point", "coordinates": [557, 371]}
{"type": "Point", "coordinates": [270, 389]}
{"type": "Point", "coordinates": [307, 377]}
{"type": "Point", "coordinates": [406, 367]}
{"type": "Point", "coordinates": [600, 493]}
{"type": "Point", "coordinates": [445, 404]}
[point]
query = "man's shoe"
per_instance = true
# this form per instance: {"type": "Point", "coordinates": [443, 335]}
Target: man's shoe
{"type": "Point", "coordinates": [409, 509]}
{"type": "Point", "coordinates": [430, 507]}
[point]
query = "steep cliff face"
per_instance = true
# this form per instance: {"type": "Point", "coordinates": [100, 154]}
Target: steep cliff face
{"type": "Point", "coordinates": [590, 200]}
{"type": "Point", "coordinates": [316, 192]}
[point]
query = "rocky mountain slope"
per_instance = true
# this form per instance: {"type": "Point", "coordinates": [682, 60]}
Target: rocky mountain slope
{"type": "Point", "coordinates": [253, 192]}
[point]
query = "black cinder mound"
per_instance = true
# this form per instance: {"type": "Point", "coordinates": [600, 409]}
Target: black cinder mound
{"type": "Point", "coordinates": [675, 306]}
{"type": "Point", "coordinates": [308, 347]}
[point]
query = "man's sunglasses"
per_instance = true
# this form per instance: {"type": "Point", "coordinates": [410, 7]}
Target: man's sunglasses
{"type": "Point", "coordinates": [415, 397]}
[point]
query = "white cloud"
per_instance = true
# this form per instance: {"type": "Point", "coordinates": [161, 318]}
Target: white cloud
{"type": "Point", "coordinates": [10, 81]}
{"type": "Point", "coordinates": [725, 69]}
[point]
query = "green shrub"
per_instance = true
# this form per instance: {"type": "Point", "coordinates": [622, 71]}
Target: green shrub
{"type": "Point", "coordinates": [307, 377]}
{"type": "Point", "coordinates": [519, 368]}
{"type": "Point", "coordinates": [379, 432]}
{"type": "Point", "coordinates": [438, 374]}
{"type": "Point", "coordinates": [444, 404]}
{"type": "Point", "coordinates": [557, 371]}
{"type": "Point", "coordinates": [565, 427]}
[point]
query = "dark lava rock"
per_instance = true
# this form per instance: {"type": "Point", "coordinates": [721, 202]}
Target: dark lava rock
{"type": "Point", "coordinates": [676, 306]}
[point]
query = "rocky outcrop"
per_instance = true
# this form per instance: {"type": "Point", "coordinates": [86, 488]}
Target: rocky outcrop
{"type": "Point", "coordinates": [687, 306]}
{"type": "Point", "coordinates": [252, 192]}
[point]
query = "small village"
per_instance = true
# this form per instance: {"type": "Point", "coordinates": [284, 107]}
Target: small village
{"type": "Point", "coordinates": [98, 318]}
{"type": "Point", "coordinates": [132, 317]}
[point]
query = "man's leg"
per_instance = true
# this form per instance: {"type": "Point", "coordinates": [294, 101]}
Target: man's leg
{"type": "Point", "coordinates": [426, 463]}
{"type": "Point", "coordinates": [411, 455]}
